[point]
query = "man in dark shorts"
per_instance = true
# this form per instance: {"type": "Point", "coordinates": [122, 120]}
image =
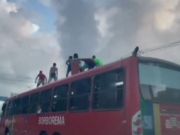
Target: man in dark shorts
{"type": "Point", "coordinates": [68, 62]}
{"type": "Point", "coordinates": [42, 78]}
{"type": "Point", "coordinates": [53, 73]}
{"type": "Point", "coordinates": [89, 63]}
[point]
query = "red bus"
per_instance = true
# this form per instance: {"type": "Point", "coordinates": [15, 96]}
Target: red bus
{"type": "Point", "coordinates": [133, 96]}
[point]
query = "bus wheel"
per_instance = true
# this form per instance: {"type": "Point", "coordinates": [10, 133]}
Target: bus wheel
{"type": "Point", "coordinates": [7, 132]}
{"type": "Point", "coordinates": [43, 133]}
{"type": "Point", "coordinates": [56, 133]}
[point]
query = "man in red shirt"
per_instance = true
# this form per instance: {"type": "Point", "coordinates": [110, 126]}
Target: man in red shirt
{"type": "Point", "coordinates": [42, 79]}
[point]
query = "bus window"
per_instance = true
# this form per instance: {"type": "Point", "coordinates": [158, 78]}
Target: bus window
{"type": "Point", "coordinates": [79, 95]}
{"type": "Point", "coordinates": [60, 98]}
{"type": "Point", "coordinates": [24, 105]}
{"type": "Point", "coordinates": [11, 107]}
{"type": "Point", "coordinates": [108, 90]}
{"type": "Point", "coordinates": [3, 110]}
{"type": "Point", "coordinates": [159, 82]}
{"type": "Point", "coordinates": [46, 100]}
{"type": "Point", "coordinates": [17, 103]}
{"type": "Point", "coordinates": [34, 101]}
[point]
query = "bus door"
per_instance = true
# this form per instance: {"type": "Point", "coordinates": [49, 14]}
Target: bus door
{"type": "Point", "coordinates": [108, 101]}
{"type": "Point", "coordinates": [8, 120]}
{"type": "Point", "coordinates": [160, 98]}
{"type": "Point", "coordinates": [20, 124]}
{"type": "Point", "coordinates": [17, 118]}
{"type": "Point", "coordinates": [2, 119]}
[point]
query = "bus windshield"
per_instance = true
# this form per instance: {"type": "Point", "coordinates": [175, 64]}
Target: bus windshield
{"type": "Point", "coordinates": [160, 82]}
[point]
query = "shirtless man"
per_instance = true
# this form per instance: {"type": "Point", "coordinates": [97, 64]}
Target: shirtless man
{"type": "Point", "coordinates": [53, 73]}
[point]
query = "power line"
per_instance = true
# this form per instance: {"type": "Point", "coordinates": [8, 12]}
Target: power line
{"type": "Point", "coordinates": [154, 49]}
{"type": "Point", "coordinates": [159, 48]}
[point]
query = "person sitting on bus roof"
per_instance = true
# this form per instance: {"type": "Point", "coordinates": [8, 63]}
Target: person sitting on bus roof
{"type": "Point", "coordinates": [42, 78]}
{"type": "Point", "coordinates": [89, 63]}
{"type": "Point", "coordinates": [98, 61]}
{"type": "Point", "coordinates": [68, 62]}
{"type": "Point", "coordinates": [53, 73]}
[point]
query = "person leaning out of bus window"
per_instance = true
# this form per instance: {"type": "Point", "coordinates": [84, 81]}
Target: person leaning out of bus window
{"type": "Point", "coordinates": [98, 61]}
{"type": "Point", "coordinates": [68, 63]}
{"type": "Point", "coordinates": [39, 110]}
{"type": "Point", "coordinates": [42, 79]}
{"type": "Point", "coordinates": [53, 73]}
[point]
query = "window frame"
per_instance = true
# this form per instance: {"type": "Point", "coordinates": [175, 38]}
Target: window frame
{"type": "Point", "coordinates": [7, 113]}
{"type": "Point", "coordinates": [162, 63]}
{"type": "Point", "coordinates": [19, 105]}
{"type": "Point", "coordinates": [67, 98]}
{"type": "Point", "coordinates": [39, 96]}
{"type": "Point", "coordinates": [124, 90]}
{"type": "Point", "coordinates": [4, 112]}
{"type": "Point", "coordinates": [27, 104]}
{"type": "Point", "coordinates": [69, 95]}
{"type": "Point", "coordinates": [40, 99]}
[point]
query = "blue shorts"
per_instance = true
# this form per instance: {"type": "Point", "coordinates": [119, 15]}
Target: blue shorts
{"type": "Point", "coordinates": [69, 68]}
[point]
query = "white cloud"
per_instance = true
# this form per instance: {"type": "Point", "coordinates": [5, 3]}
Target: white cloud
{"type": "Point", "coordinates": [119, 26]}
{"type": "Point", "coordinates": [23, 53]}
{"type": "Point", "coordinates": [102, 17]}
{"type": "Point", "coordinates": [164, 20]}
{"type": "Point", "coordinates": [46, 2]}
{"type": "Point", "coordinates": [28, 28]}
{"type": "Point", "coordinates": [11, 7]}
{"type": "Point", "coordinates": [165, 17]}
{"type": "Point", "coordinates": [110, 30]}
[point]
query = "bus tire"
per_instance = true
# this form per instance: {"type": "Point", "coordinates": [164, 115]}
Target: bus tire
{"type": "Point", "coordinates": [56, 133]}
{"type": "Point", "coordinates": [43, 133]}
{"type": "Point", "coordinates": [7, 131]}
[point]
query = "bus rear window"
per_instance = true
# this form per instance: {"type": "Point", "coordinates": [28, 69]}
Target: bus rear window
{"type": "Point", "coordinates": [160, 82]}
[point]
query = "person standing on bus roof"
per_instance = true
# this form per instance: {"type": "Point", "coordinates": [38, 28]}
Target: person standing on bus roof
{"type": "Point", "coordinates": [68, 63]}
{"type": "Point", "coordinates": [76, 57]}
{"type": "Point", "coordinates": [42, 78]}
{"type": "Point", "coordinates": [53, 73]}
{"type": "Point", "coordinates": [98, 61]}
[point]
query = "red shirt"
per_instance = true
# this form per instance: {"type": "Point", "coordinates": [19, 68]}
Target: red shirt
{"type": "Point", "coordinates": [41, 76]}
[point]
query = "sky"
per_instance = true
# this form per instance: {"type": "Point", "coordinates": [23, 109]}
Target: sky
{"type": "Point", "coordinates": [34, 34]}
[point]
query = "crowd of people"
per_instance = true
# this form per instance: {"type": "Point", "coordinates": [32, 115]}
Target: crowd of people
{"type": "Point", "coordinates": [53, 73]}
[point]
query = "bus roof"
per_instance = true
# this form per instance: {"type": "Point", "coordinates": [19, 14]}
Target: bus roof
{"type": "Point", "coordinates": [112, 65]}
